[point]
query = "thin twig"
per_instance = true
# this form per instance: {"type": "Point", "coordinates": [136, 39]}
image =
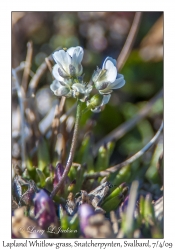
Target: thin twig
{"type": "Point", "coordinates": [48, 121]}
{"type": "Point", "coordinates": [49, 65]}
{"type": "Point", "coordinates": [129, 41]}
{"type": "Point", "coordinates": [56, 122]}
{"type": "Point", "coordinates": [27, 66]}
{"type": "Point", "coordinates": [20, 95]}
{"type": "Point", "coordinates": [128, 161]}
{"type": "Point", "coordinates": [32, 118]}
{"type": "Point", "coordinates": [58, 112]}
{"type": "Point", "coordinates": [20, 67]}
{"type": "Point", "coordinates": [128, 125]}
{"type": "Point", "coordinates": [72, 150]}
{"type": "Point", "coordinates": [36, 78]}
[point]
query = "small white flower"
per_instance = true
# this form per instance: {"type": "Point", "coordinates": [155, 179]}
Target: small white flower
{"type": "Point", "coordinates": [68, 63]}
{"type": "Point", "coordinates": [107, 79]}
{"type": "Point", "coordinates": [62, 89]}
{"type": "Point", "coordinates": [70, 89]}
{"type": "Point", "coordinates": [81, 91]}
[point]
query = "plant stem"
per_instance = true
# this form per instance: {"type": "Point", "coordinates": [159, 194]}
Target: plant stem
{"type": "Point", "coordinates": [72, 150]}
{"type": "Point", "coordinates": [129, 41]}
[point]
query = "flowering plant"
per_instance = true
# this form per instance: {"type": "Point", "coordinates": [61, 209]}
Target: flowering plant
{"type": "Point", "coordinates": [69, 80]}
{"type": "Point", "coordinates": [63, 185]}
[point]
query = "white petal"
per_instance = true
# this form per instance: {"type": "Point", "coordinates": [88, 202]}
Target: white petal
{"type": "Point", "coordinates": [110, 59]}
{"type": "Point", "coordinates": [76, 53]}
{"type": "Point", "coordinates": [55, 85]}
{"type": "Point", "coordinates": [63, 59]}
{"type": "Point", "coordinates": [79, 70]}
{"type": "Point", "coordinates": [56, 74]}
{"type": "Point", "coordinates": [62, 91]}
{"type": "Point", "coordinates": [79, 87]}
{"type": "Point", "coordinates": [111, 72]}
{"type": "Point", "coordinates": [101, 85]}
{"type": "Point", "coordinates": [68, 82]}
{"type": "Point", "coordinates": [70, 51]}
{"type": "Point", "coordinates": [105, 99]}
{"type": "Point", "coordinates": [55, 71]}
{"type": "Point", "coordinates": [77, 57]}
{"type": "Point", "coordinates": [105, 91]}
{"type": "Point", "coordinates": [88, 89]}
{"type": "Point", "coordinates": [96, 74]}
{"type": "Point", "coordinates": [118, 83]}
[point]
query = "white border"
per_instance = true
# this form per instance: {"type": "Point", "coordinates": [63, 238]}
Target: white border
{"type": "Point", "coordinates": [5, 91]}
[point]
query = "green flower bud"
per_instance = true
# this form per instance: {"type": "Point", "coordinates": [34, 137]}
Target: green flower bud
{"type": "Point", "coordinates": [95, 101]}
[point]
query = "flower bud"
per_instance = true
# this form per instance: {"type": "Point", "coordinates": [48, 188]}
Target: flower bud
{"type": "Point", "coordinates": [95, 101]}
{"type": "Point", "coordinates": [45, 212]}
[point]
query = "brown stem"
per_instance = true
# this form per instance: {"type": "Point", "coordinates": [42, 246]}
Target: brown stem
{"type": "Point", "coordinates": [56, 123]}
{"type": "Point", "coordinates": [28, 66]}
{"type": "Point", "coordinates": [36, 78]}
{"type": "Point", "coordinates": [129, 41]}
{"type": "Point", "coordinates": [72, 150]}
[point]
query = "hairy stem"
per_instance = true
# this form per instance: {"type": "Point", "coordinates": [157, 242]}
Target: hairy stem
{"type": "Point", "coordinates": [72, 150]}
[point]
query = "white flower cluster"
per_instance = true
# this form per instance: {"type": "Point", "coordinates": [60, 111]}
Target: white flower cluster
{"type": "Point", "coordinates": [69, 81]}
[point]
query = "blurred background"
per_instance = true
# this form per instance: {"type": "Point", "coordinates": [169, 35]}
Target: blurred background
{"type": "Point", "coordinates": [101, 34]}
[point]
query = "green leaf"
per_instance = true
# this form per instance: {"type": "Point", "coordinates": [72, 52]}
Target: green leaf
{"type": "Point", "coordinates": [103, 157]}
{"type": "Point", "coordinates": [149, 215]}
{"type": "Point", "coordinates": [42, 177]}
{"type": "Point", "coordinates": [43, 154]}
{"type": "Point", "coordinates": [152, 173]}
{"type": "Point", "coordinates": [112, 201]}
{"type": "Point", "coordinates": [123, 175]}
